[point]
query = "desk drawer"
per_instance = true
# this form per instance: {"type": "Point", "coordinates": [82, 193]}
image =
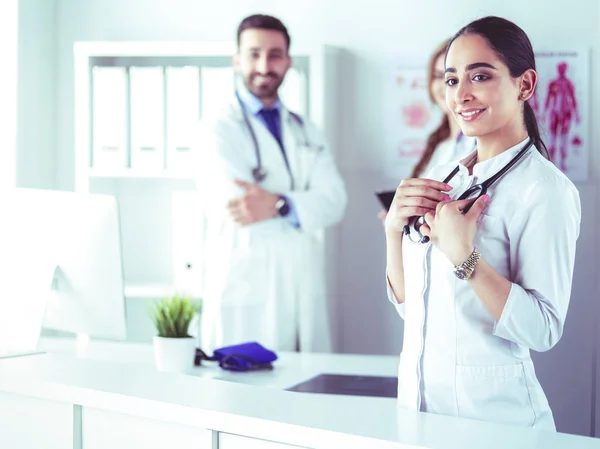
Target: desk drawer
{"type": "Point", "coordinates": [228, 441]}
{"type": "Point", "coordinates": [108, 430]}
{"type": "Point", "coordinates": [31, 423]}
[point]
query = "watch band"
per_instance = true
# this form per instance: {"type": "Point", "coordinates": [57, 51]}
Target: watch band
{"type": "Point", "coordinates": [465, 270]}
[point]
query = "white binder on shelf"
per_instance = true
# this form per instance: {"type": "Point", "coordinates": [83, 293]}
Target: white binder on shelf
{"type": "Point", "coordinates": [183, 113]}
{"type": "Point", "coordinates": [188, 234]}
{"type": "Point", "coordinates": [294, 93]}
{"type": "Point", "coordinates": [109, 118]}
{"type": "Point", "coordinates": [218, 84]}
{"type": "Point", "coordinates": [147, 118]}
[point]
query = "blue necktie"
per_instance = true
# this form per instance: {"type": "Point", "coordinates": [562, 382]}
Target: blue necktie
{"type": "Point", "coordinates": [272, 120]}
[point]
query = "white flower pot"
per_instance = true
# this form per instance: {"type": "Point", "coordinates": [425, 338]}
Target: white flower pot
{"type": "Point", "coordinates": [174, 355]}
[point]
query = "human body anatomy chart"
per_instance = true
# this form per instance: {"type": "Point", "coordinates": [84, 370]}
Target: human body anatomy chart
{"type": "Point", "coordinates": [561, 106]}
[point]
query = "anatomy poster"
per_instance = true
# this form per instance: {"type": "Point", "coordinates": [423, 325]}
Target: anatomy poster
{"type": "Point", "coordinates": [561, 106]}
{"type": "Point", "coordinates": [411, 117]}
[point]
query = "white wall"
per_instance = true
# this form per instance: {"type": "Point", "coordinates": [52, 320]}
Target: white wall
{"type": "Point", "coordinates": [594, 293]}
{"type": "Point", "coordinates": [9, 34]}
{"type": "Point", "coordinates": [371, 32]}
{"type": "Point", "coordinates": [36, 112]}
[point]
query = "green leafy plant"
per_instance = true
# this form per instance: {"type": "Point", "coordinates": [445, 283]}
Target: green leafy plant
{"type": "Point", "coordinates": [172, 316]}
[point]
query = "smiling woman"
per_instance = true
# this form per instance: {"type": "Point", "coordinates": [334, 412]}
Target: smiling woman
{"type": "Point", "coordinates": [497, 82]}
{"type": "Point", "coordinates": [476, 297]}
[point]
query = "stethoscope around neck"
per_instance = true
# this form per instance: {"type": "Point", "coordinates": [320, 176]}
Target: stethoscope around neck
{"type": "Point", "coordinates": [259, 173]}
{"type": "Point", "coordinates": [473, 192]}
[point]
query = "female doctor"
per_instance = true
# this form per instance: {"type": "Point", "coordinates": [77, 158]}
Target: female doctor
{"type": "Point", "coordinates": [478, 288]}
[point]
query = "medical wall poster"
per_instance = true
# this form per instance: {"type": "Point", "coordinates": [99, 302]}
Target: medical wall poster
{"type": "Point", "coordinates": [561, 104]}
{"type": "Point", "coordinates": [410, 117]}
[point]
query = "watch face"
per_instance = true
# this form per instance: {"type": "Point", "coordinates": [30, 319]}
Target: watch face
{"type": "Point", "coordinates": [461, 273]}
{"type": "Point", "coordinates": [283, 209]}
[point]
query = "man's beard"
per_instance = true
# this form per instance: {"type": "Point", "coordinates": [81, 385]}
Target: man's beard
{"type": "Point", "coordinates": [263, 92]}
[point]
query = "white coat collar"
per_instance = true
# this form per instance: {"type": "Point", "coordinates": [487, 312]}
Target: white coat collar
{"type": "Point", "coordinates": [485, 169]}
{"type": "Point", "coordinates": [489, 167]}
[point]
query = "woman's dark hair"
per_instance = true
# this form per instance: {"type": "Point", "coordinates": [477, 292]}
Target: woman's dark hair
{"type": "Point", "coordinates": [442, 132]}
{"type": "Point", "coordinates": [263, 22]}
{"type": "Point", "coordinates": [513, 47]}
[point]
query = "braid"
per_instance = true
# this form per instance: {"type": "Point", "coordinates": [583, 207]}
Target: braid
{"type": "Point", "coordinates": [436, 137]}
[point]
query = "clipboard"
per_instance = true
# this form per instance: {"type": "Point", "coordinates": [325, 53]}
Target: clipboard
{"type": "Point", "coordinates": [351, 385]}
{"type": "Point", "coordinates": [385, 198]}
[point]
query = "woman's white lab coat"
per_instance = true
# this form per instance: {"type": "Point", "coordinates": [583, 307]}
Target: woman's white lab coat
{"type": "Point", "coordinates": [266, 282]}
{"type": "Point", "coordinates": [457, 360]}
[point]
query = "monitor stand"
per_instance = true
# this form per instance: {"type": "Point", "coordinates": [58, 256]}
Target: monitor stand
{"type": "Point", "coordinates": [24, 305]}
{"type": "Point", "coordinates": [61, 284]}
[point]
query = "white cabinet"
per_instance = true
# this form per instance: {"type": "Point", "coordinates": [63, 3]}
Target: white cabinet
{"type": "Point", "coordinates": [228, 441]}
{"type": "Point", "coordinates": [107, 430]}
{"type": "Point", "coordinates": [153, 143]}
{"type": "Point", "coordinates": [30, 423]}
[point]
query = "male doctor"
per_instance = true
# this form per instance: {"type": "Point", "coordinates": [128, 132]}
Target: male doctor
{"type": "Point", "coordinates": [270, 187]}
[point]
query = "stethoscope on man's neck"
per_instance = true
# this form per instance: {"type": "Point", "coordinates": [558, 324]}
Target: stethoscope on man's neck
{"type": "Point", "coordinates": [259, 173]}
{"type": "Point", "coordinates": [473, 192]}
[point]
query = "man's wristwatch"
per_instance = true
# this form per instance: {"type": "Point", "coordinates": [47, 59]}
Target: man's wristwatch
{"type": "Point", "coordinates": [466, 269]}
{"type": "Point", "coordinates": [282, 206]}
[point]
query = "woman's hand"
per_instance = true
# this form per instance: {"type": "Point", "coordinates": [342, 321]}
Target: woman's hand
{"type": "Point", "coordinates": [451, 231]}
{"type": "Point", "coordinates": [414, 197]}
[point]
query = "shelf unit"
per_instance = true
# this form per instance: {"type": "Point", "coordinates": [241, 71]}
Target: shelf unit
{"type": "Point", "coordinates": [148, 291]}
{"type": "Point", "coordinates": [145, 196]}
{"type": "Point", "coordinates": [130, 173]}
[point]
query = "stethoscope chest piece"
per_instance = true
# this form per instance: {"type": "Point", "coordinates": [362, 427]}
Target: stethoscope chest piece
{"type": "Point", "coordinates": [417, 222]}
{"type": "Point", "coordinates": [259, 174]}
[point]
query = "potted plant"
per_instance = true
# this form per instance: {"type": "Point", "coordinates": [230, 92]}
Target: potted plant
{"type": "Point", "coordinates": [174, 347]}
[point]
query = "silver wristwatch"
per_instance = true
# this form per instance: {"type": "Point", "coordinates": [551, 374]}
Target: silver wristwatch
{"type": "Point", "coordinates": [466, 269]}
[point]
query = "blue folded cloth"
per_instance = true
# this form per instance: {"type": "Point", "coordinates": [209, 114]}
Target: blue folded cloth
{"type": "Point", "coordinates": [244, 357]}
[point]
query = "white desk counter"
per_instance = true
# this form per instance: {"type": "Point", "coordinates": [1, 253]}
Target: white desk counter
{"type": "Point", "coordinates": [56, 400]}
{"type": "Point", "coordinates": [291, 368]}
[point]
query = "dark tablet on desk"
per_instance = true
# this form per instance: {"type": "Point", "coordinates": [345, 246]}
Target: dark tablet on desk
{"type": "Point", "coordinates": [385, 198]}
{"type": "Point", "coordinates": [352, 385]}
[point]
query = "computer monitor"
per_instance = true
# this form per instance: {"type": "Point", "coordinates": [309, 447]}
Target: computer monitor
{"type": "Point", "coordinates": [65, 247]}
